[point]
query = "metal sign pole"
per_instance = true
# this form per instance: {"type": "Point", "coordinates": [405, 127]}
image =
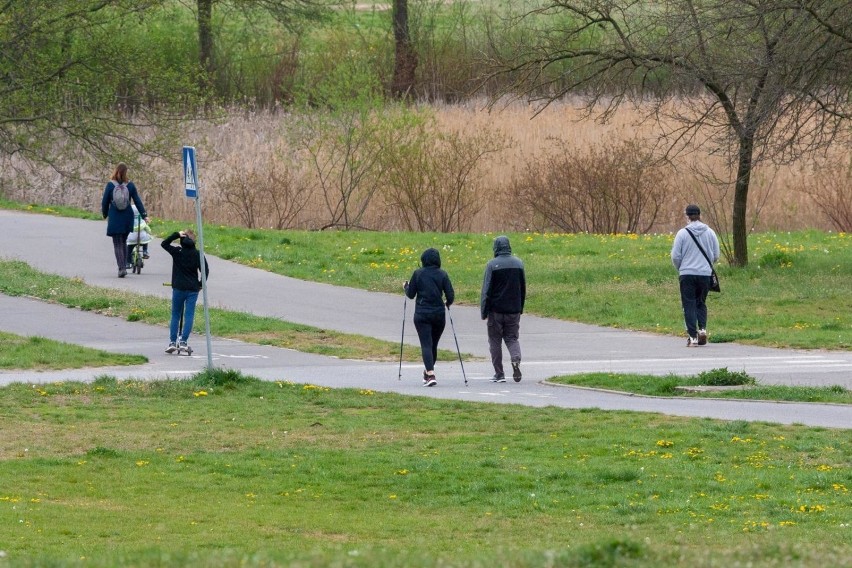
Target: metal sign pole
{"type": "Point", "coordinates": [203, 279]}
{"type": "Point", "coordinates": [190, 177]}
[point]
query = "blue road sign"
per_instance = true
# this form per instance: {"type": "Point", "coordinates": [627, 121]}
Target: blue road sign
{"type": "Point", "coordinates": [190, 172]}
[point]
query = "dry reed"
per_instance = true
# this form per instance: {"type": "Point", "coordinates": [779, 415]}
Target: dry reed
{"type": "Point", "coordinates": [255, 142]}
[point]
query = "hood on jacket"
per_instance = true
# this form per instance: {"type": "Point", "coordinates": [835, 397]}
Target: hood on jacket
{"type": "Point", "coordinates": [502, 246]}
{"type": "Point", "coordinates": [697, 227]}
{"type": "Point", "coordinates": [430, 257]}
{"type": "Point", "coordinates": [187, 243]}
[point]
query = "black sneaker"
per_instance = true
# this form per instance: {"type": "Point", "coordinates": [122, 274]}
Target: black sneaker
{"type": "Point", "coordinates": [702, 337]}
{"type": "Point", "coordinates": [431, 382]}
{"type": "Point", "coordinates": [516, 371]}
{"type": "Point", "coordinates": [498, 379]}
{"type": "Point", "coordinates": [172, 347]}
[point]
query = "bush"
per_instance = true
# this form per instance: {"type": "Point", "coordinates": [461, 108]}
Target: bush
{"type": "Point", "coordinates": [724, 378]}
{"type": "Point", "coordinates": [607, 188]}
{"type": "Point", "coordinates": [263, 192]}
{"type": "Point", "coordinates": [832, 192]}
{"type": "Point", "coordinates": [432, 179]}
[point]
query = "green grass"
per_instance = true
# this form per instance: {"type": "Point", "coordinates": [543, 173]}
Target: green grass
{"type": "Point", "coordinates": [38, 353]}
{"type": "Point", "coordinates": [225, 470]}
{"type": "Point", "coordinates": [794, 293]}
{"type": "Point", "coordinates": [59, 210]}
{"type": "Point", "coordinates": [623, 281]}
{"type": "Point", "coordinates": [651, 385]}
{"type": "Point", "coordinates": [19, 279]}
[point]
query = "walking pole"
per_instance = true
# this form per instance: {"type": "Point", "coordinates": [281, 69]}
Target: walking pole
{"type": "Point", "coordinates": [453, 327]}
{"type": "Point", "coordinates": [401, 339]}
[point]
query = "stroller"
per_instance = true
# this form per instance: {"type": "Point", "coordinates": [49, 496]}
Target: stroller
{"type": "Point", "coordinates": [137, 241]}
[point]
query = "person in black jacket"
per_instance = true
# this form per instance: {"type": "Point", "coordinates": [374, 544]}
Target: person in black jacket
{"type": "Point", "coordinates": [433, 290]}
{"type": "Point", "coordinates": [186, 274]}
{"type": "Point", "coordinates": [504, 291]}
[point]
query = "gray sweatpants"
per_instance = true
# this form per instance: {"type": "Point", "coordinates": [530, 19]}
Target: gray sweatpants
{"type": "Point", "coordinates": [503, 327]}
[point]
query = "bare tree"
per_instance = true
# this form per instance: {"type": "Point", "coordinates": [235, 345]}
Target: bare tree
{"type": "Point", "coordinates": [757, 79]}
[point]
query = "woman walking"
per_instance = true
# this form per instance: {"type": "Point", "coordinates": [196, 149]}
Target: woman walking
{"type": "Point", "coordinates": [433, 290]}
{"type": "Point", "coordinates": [115, 207]}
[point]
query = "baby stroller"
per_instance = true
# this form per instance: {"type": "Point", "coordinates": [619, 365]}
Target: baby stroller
{"type": "Point", "coordinates": [136, 242]}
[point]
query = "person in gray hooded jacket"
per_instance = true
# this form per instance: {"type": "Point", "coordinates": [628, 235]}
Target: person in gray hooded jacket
{"type": "Point", "coordinates": [504, 291]}
{"type": "Point", "coordinates": [694, 273]}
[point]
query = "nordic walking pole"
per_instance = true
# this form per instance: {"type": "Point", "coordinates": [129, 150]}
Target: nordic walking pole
{"type": "Point", "coordinates": [453, 327]}
{"type": "Point", "coordinates": [402, 339]}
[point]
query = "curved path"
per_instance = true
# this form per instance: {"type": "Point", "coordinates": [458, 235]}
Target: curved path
{"type": "Point", "coordinates": [79, 248]}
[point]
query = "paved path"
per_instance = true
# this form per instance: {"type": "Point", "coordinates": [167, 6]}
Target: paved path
{"type": "Point", "coordinates": [79, 248]}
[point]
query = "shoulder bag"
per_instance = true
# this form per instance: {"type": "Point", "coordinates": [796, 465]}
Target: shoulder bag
{"type": "Point", "coordinates": [714, 278]}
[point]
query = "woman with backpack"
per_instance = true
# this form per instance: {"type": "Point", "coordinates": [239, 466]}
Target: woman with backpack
{"type": "Point", "coordinates": [115, 207]}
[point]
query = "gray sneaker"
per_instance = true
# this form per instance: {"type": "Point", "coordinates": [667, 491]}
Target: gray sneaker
{"type": "Point", "coordinates": [171, 348]}
{"type": "Point", "coordinates": [498, 379]}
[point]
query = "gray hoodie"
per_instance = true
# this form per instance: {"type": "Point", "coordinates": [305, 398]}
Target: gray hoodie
{"type": "Point", "coordinates": [685, 255]}
{"type": "Point", "coordinates": [504, 286]}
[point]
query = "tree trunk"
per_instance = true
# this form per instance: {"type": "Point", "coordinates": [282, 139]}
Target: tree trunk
{"type": "Point", "coordinates": [405, 62]}
{"type": "Point", "coordinates": [205, 40]}
{"type": "Point", "coordinates": [746, 152]}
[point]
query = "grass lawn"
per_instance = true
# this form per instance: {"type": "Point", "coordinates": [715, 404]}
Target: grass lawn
{"type": "Point", "coordinates": [17, 279]}
{"type": "Point", "coordinates": [224, 470]}
{"type": "Point", "coordinates": [652, 385]}
{"type": "Point", "coordinates": [43, 354]}
{"type": "Point", "coordinates": [796, 291]}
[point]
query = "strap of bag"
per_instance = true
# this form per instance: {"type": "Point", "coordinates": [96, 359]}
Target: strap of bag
{"type": "Point", "coordinates": [707, 258]}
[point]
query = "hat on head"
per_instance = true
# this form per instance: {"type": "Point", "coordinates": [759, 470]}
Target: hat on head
{"type": "Point", "coordinates": [693, 210]}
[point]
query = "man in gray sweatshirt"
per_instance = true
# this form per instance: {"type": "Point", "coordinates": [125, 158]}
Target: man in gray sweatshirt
{"type": "Point", "coordinates": [504, 292]}
{"type": "Point", "coordinates": [695, 271]}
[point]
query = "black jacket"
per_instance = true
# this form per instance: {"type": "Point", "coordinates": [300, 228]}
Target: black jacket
{"type": "Point", "coordinates": [186, 265]}
{"type": "Point", "coordinates": [430, 285]}
{"type": "Point", "coordinates": [504, 287]}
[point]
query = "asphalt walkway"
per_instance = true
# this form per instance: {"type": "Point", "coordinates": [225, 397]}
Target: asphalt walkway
{"type": "Point", "coordinates": [79, 248]}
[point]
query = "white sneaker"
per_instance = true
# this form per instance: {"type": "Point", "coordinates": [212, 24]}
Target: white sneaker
{"type": "Point", "coordinates": [702, 337]}
{"type": "Point", "coordinates": [691, 342]}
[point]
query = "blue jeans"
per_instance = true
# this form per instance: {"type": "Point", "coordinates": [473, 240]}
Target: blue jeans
{"type": "Point", "coordinates": [693, 295]}
{"type": "Point", "coordinates": [182, 301]}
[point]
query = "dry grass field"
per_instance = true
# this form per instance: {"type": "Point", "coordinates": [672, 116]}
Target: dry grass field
{"type": "Point", "coordinates": [240, 154]}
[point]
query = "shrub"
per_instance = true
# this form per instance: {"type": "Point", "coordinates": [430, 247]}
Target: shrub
{"type": "Point", "coordinates": [433, 180]}
{"type": "Point", "coordinates": [606, 188]}
{"type": "Point", "coordinates": [723, 377]}
{"type": "Point", "coordinates": [832, 192]}
{"type": "Point", "coordinates": [263, 192]}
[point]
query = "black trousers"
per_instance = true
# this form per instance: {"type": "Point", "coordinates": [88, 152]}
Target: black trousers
{"type": "Point", "coordinates": [429, 327]}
